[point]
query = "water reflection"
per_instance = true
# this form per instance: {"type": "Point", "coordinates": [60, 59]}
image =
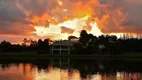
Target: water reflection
{"type": "Point", "coordinates": [65, 69]}
{"type": "Point", "coordinates": [58, 74]}
{"type": "Point", "coordinates": [17, 72]}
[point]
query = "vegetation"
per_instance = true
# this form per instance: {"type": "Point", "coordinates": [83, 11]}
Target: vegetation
{"type": "Point", "coordinates": [87, 44]}
{"type": "Point", "coordinates": [27, 46]}
{"type": "Point", "coordinates": [106, 44]}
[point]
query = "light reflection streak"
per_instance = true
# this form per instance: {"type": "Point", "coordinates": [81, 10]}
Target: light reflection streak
{"type": "Point", "coordinates": [30, 72]}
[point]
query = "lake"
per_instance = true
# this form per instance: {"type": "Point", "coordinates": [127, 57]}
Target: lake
{"type": "Point", "coordinates": [71, 69]}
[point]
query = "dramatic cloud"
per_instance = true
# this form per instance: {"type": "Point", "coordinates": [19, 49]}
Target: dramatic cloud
{"type": "Point", "coordinates": [120, 16]}
{"type": "Point", "coordinates": [19, 17]}
{"type": "Point", "coordinates": [66, 30]}
{"type": "Point", "coordinates": [13, 20]}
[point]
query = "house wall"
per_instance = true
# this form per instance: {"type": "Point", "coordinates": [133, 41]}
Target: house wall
{"type": "Point", "coordinates": [60, 49]}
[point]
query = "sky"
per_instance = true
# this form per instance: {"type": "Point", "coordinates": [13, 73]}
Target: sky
{"type": "Point", "coordinates": [57, 19]}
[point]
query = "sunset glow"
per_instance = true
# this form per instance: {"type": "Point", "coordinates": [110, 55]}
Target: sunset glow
{"type": "Point", "coordinates": [70, 39]}
{"type": "Point", "coordinates": [57, 19]}
{"type": "Point", "coordinates": [76, 24]}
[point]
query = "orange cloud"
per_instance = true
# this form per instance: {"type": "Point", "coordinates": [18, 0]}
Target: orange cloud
{"type": "Point", "coordinates": [19, 17]}
{"type": "Point", "coordinates": [66, 30]}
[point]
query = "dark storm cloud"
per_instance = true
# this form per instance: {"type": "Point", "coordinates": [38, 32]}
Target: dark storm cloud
{"type": "Point", "coordinates": [9, 12]}
{"type": "Point", "coordinates": [12, 19]}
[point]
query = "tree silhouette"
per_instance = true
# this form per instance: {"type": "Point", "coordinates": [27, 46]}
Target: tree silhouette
{"type": "Point", "coordinates": [46, 45]}
{"type": "Point", "coordinates": [88, 44]}
{"type": "Point", "coordinates": [83, 37]}
{"type": "Point", "coordinates": [5, 46]}
{"type": "Point", "coordinates": [40, 46]}
{"type": "Point", "coordinates": [43, 46]}
{"type": "Point", "coordinates": [72, 38]}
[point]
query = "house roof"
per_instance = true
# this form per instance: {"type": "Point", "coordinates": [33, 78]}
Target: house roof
{"type": "Point", "coordinates": [63, 42]}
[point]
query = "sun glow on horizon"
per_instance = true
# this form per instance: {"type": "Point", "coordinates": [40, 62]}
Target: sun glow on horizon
{"type": "Point", "coordinates": [76, 24]}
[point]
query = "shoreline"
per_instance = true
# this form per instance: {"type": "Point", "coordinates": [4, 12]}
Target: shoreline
{"type": "Point", "coordinates": [34, 55]}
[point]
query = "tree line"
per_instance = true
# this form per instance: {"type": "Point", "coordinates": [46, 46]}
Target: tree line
{"type": "Point", "coordinates": [106, 44]}
{"type": "Point", "coordinates": [27, 45]}
{"type": "Point", "coordinates": [87, 44]}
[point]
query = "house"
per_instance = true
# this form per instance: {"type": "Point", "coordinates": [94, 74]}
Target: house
{"type": "Point", "coordinates": [62, 47]}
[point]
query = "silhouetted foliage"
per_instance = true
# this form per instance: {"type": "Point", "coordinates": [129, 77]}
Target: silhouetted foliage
{"type": "Point", "coordinates": [83, 37]}
{"type": "Point", "coordinates": [43, 46]}
{"type": "Point", "coordinates": [46, 45]}
{"type": "Point", "coordinates": [27, 45]}
{"type": "Point", "coordinates": [5, 46]}
{"type": "Point", "coordinates": [72, 38]}
{"type": "Point", "coordinates": [110, 44]}
{"type": "Point", "coordinates": [87, 44]}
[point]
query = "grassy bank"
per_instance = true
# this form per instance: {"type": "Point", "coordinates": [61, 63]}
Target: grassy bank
{"type": "Point", "coordinates": [34, 56]}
